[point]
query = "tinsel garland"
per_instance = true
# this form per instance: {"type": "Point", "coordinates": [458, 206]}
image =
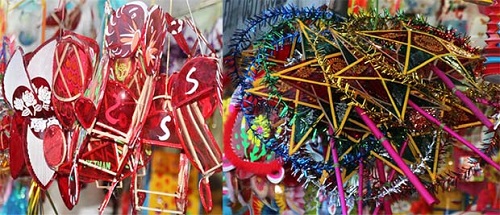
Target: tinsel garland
{"type": "Point", "coordinates": [244, 38]}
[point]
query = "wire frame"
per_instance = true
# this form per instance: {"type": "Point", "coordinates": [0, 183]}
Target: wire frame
{"type": "Point", "coordinates": [180, 194]}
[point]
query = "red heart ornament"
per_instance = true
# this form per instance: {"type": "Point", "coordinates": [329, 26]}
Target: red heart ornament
{"type": "Point", "coordinates": [85, 112]}
{"type": "Point", "coordinates": [65, 113]}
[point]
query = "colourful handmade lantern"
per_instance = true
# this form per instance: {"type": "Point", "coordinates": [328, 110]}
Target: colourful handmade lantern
{"type": "Point", "coordinates": [331, 93]}
{"type": "Point", "coordinates": [84, 115]}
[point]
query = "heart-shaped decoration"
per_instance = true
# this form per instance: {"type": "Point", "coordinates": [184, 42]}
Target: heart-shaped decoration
{"type": "Point", "coordinates": [29, 92]}
{"type": "Point", "coordinates": [65, 113]}
{"type": "Point", "coordinates": [73, 78]}
{"type": "Point", "coordinates": [85, 112]}
{"type": "Point", "coordinates": [54, 146]}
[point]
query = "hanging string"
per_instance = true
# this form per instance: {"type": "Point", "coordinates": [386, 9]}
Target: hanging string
{"type": "Point", "coordinates": [194, 23]}
{"type": "Point", "coordinates": [107, 12]}
{"type": "Point", "coordinates": [168, 45]}
{"type": "Point", "coordinates": [62, 22]}
{"type": "Point", "coordinates": [166, 104]}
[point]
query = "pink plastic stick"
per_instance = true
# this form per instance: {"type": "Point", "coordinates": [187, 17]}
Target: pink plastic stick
{"type": "Point", "coordinates": [401, 151]}
{"type": "Point", "coordinates": [429, 199]}
{"type": "Point", "coordinates": [340, 185]}
{"type": "Point", "coordinates": [455, 135]}
{"type": "Point", "coordinates": [376, 210]}
{"type": "Point", "coordinates": [392, 173]}
{"type": "Point", "coordinates": [478, 113]}
{"type": "Point", "coordinates": [360, 187]}
{"type": "Point", "coordinates": [383, 180]}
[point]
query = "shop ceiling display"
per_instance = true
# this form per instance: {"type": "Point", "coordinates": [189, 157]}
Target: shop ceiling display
{"type": "Point", "coordinates": [81, 114]}
{"type": "Point", "coordinates": [333, 103]}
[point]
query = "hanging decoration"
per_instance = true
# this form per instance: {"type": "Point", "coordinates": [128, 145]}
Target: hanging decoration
{"type": "Point", "coordinates": [82, 114]}
{"type": "Point", "coordinates": [361, 108]}
{"type": "Point", "coordinates": [492, 49]}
